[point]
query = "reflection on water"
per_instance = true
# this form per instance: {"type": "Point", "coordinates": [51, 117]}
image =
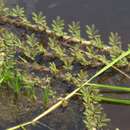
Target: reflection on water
{"type": "Point", "coordinates": [110, 15]}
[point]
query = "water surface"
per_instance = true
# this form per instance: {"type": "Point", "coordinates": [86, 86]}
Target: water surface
{"type": "Point", "coordinates": [108, 16]}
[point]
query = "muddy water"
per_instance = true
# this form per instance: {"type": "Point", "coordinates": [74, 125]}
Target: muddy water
{"type": "Point", "coordinates": [110, 15]}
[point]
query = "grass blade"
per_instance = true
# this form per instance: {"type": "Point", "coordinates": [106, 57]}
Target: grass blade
{"type": "Point", "coordinates": [116, 101]}
{"type": "Point", "coordinates": [106, 86]}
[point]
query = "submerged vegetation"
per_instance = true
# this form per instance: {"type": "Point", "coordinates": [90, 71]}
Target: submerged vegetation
{"type": "Point", "coordinates": [55, 54]}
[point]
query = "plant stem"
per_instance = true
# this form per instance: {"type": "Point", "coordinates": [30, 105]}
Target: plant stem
{"type": "Point", "coordinates": [36, 28]}
{"type": "Point", "coordinates": [20, 126]}
{"type": "Point", "coordinates": [112, 100]}
{"type": "Point", "coordinates": [119, 88]}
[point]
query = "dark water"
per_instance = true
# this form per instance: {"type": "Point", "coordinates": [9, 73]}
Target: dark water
{"type": "Point", "coordinates": [108, 16]}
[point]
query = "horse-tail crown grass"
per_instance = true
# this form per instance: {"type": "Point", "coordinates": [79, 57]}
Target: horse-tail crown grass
{"type": "Point", "coordinates": [39, 19]}
{"type": "Point", "coordinates": [67, 47]}
{"type": "Point", "coordinates": [74, 29]}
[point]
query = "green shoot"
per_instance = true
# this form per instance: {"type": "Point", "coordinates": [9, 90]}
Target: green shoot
{"type": "Point", "coordinates": [17, 12]}
{"type": "Point", "coordinates": [53, 68]}
{"type": "Point", "coordinates": [58, 26]}
{"type": "Point", "coordinates": [74, 29]}
{"type": "Point", "coordinates": [39, 19]}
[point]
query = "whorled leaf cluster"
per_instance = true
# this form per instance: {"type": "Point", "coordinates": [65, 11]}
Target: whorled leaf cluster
{"type": "Point", "coordinates": [10, 75]}
{"type": "Point", "coordinates": [94, 116]}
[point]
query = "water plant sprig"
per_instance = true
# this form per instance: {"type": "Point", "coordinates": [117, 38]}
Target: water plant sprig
{"type": "Point", "coordinates": [53, 68]}
{"type": "Point", "coordinates": [11, 76]}
{"type": "Point", "coordinates": [74, 29]}
{"type": "Point", "coordinates": [3, 9]}
{"type": "Point", "coordinates": [78, 55]}
{"type": "Point", "coordinates": [94, 116]}
{"type": "Point", "coordinates": [17, 12]}
{"type": "Point", "coordinates": [58, 50]}
{"type": "Point", "coordinates": [92, 32]}
{"type": "Point", "coordinates": [58, 26]}
{"type": "Point", "coordinates": [39, 19]}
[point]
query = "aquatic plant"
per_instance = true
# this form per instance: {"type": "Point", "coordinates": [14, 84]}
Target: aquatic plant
{"type": "Point", "coordinates": [74, 29]}
{"type": "Point", "coordinates": [70, 49]}
{"type": "Point", "coordinates": [39, 19]}
{"type": "Point", "coordinates": [11, 76]}
{"type": "Point", "coordinates": [17, 12]}
{"type": "Point", "coordinates": [58, 26]}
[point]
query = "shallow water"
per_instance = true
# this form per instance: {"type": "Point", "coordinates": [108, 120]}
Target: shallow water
{"type": "Point", "coordinates": [107, 16]}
